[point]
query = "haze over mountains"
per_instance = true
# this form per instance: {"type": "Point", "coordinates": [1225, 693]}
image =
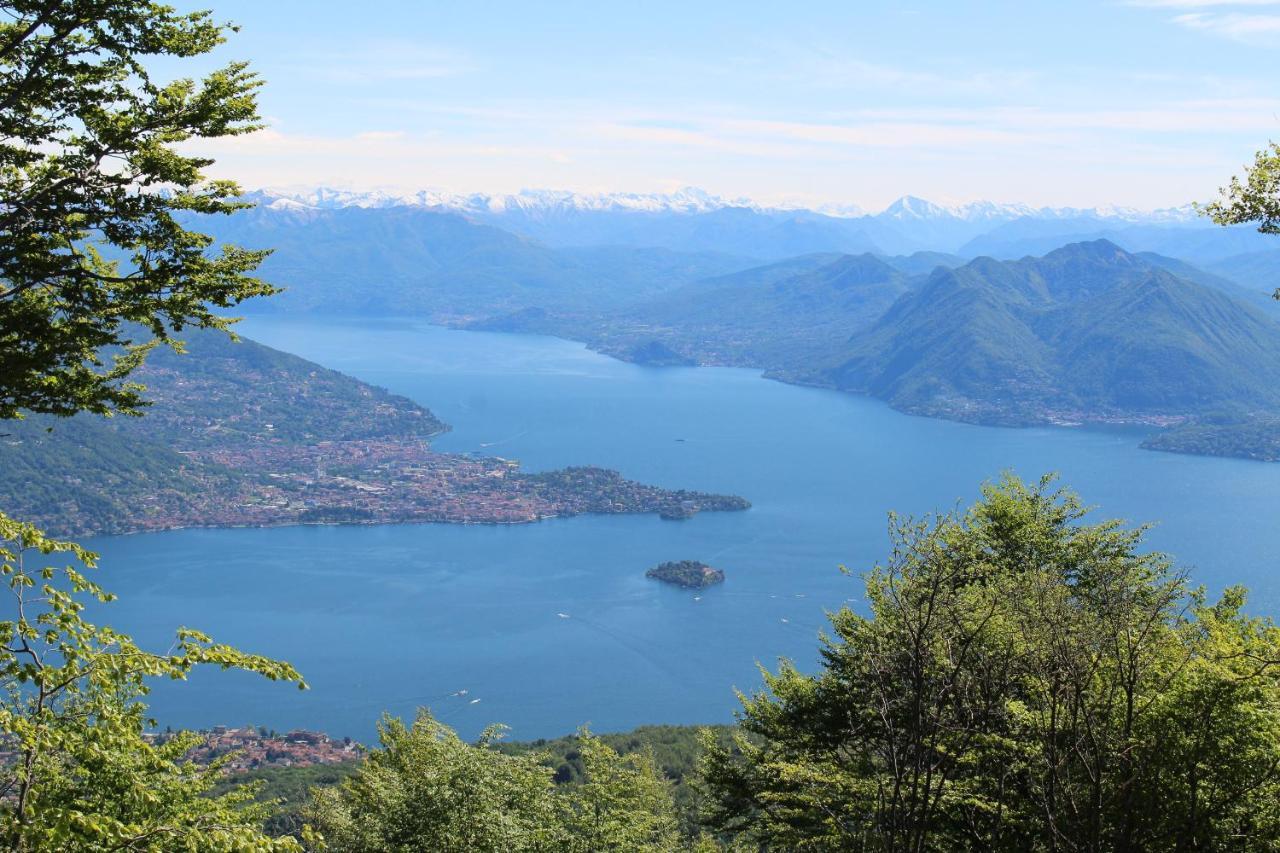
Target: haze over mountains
{"type": "Point", "coordinates": [984, 312]}
{"type": "Point", "coordinates": [409, 259]}
{"type": "Point", "coordinates": [782, 316]}
{"type": "Point", "coordinates": [689, 200]}
{"type": "Point", "coordinates": [693, 220]}
{"type": "Point", "coordinates": [711, 235]}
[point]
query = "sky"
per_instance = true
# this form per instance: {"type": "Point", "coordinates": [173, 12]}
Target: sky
{"type": "Point", "coordinates": [1144, 103]}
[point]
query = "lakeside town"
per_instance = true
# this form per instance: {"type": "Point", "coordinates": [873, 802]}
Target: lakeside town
{"type": "Point", "coordinates": [369, 481]}
{"type": "Point", "coordinates": [251, 748]}
{"type": "Point", "coordinates": [246, 436]}
{"type": "Point", "coordinates": [401, 480]}
{"type": "Point", "coordinates": [256, 748]}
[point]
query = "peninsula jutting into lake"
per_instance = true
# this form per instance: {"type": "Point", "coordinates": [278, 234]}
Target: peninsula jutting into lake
{"type": "Point", "coordinates": [247, 436]}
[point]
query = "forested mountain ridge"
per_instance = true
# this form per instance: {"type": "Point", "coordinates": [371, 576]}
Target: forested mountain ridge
{"type": "Point", "coordinates": [780, 315]}
{"type": "Point", "coordinates": [1088, 332]}
{"type": "Point", "coordinates": [254, 393]}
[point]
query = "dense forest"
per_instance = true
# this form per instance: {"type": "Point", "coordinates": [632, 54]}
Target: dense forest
{"type": "Point", "coordinates": [674, 749]}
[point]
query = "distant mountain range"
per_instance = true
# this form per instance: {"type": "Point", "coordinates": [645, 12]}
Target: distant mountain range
{"type": "Point", "coordinates": [438, 265]}
{"type": "Point", "coordinates": [694, 220]}
{"type": "Point", "coordinates": [978, 313]}
{"type": "Point", "coordinates": [785, 315]}
{"type": "Point", "coordinates": [482, 258]}
{"type": "Point", "coordinates": [689, 200]}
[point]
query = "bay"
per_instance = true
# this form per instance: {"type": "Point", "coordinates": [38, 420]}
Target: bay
{"type": "Point", "coordinates": [548, 626]}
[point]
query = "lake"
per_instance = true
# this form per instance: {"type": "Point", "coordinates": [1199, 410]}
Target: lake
{"type": "Point", "coordinates": [548, 626]}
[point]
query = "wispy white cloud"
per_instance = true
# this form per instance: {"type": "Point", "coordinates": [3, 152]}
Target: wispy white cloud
{"type": "Point", "coordinates": [1232, 19]}
{"type": "Point", "coordinates": [1161, 152]}
{"type": "Point", "coordinates": [1199, 4]}
{"type": "Point", "coordinates": [577, 132]}
{"type": "Point", "coordinates": [380, 135]}
{"type": "Point", "coordinates": [883, 134]}
{"type": "Point", "coordinates": [1263, 29]}
{"type": "Point", "coordinates": [1194, 116]}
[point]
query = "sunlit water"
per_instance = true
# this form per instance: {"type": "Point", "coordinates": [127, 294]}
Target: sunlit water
{"type": "Point", "coordinates": [551, 625]}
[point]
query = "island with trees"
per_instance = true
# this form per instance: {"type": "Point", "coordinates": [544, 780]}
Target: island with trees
{"type": "Point", "coordinates": [686, 574]}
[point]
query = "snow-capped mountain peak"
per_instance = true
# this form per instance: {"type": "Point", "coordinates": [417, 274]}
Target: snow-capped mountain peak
{"type": "Point", "coordinates": [988, 211]}
{"type": "Point", "coordinates": [684, 201]}
{"type": "Point", "coordinates": [910, 207]}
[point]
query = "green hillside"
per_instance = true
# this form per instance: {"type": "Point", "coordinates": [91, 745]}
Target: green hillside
{"type": "Point", "coordinates": [1182, 269]}
{"type": "Point", "coordinates": [1088, 332]}
{"type": "Point", "coordinates": [82, 474]}
{"type": "Point", "coordinates": [780, 315]}
{"type": "Point", "coordinates": [1223, 435]}
{"type": "Point", "coordinates": [89, 474]}
{"type": "Point", "coordinates": [783, 314]}
{"type": "Point", "coordinates": [251, 392]}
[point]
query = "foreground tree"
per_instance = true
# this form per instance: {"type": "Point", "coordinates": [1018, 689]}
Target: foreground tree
{"type": "Point", "coordinates": [1253, 200]}
{"type": "Point", "coordinates": [95, 269]}
{"type": "Point", "coordinates": [1023, 681]}
{"type": "Point", "coordinates": [95, 266]}
{"type": "Point", "coordinates": [79, 773]}
{"type": "Point", "coordinates": [426, 789]}
{"type": "Point", "coordinates": [622, 803]}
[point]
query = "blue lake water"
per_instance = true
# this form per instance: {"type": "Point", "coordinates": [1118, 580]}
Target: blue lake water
{"type": "Point", "coordinates": [388, 618]}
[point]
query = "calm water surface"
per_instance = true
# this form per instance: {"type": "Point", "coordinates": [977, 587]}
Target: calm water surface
{"type": "Point", "coordinates": [551, 625]}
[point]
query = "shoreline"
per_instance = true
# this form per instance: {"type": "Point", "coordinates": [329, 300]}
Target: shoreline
{"type": "Point", "coordinates": [372, 523]}
{"type": "Point", "coordinates": [1154, 423]}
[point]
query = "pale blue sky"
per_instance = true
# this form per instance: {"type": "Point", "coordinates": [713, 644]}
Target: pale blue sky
{"type": "Point", "coordinates": [1082, 102]}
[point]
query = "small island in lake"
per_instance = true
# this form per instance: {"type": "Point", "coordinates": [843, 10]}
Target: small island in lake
{"type": "Point", "coordinates": [687, 574]}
